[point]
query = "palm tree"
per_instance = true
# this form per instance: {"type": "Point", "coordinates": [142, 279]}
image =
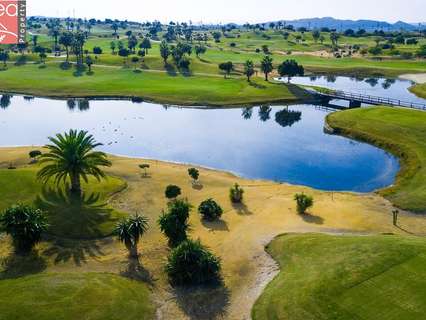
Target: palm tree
{"type": "Point", "coordinates": [25, 225]}
{"type": "Point", "coordinates": [334, 37]}
{"type": "Point", "coordinates": [71, 155]}
{"type": "Point", "coordinates": [129, 231]}
{"type": "Point", "coordinates": [266, 66]}
{"type": "Point", "coordinates": [249, 69]}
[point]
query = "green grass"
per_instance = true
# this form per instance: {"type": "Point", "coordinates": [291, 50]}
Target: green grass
{"type": "Point", "coordinates": [345, 277]}
{"type": "Point", "coordinates": [419, 90]}
{"type": "Point", "coordinates": [83, 217]}
{"type": "Point", "coordinates": [63, 296]}
{"type": "Point", "coordinates": [158, 86]}
{"type": "Point", "coordinates": [400, 131]}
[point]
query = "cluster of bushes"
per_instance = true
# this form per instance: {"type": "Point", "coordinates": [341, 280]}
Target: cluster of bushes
{"type": "Point", "coordinates": [189, 262]}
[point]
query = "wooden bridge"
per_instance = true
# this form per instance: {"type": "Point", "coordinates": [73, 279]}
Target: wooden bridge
{"type": "Point", "coordinates": [356, 99]}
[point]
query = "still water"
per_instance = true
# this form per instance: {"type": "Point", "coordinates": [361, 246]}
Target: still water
{"type": "Point", "coordinates": [278, 143]}
{"type": "Point", "coordinates": [386, 88]}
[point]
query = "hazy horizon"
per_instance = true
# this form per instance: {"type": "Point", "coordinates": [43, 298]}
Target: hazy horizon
{"type": "Point", "coordinates": [238, 11]}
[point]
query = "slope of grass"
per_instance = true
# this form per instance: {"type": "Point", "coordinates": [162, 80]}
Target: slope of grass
{"type": "Point", "coordinates": [63, 296]}
{"type": "Point", "coordinates": [159, 86]}
{"type": "Point", "coordinates": [345, 277]}
{"type": "Point", "coordinates": [419, 90]}
{"type": "Point", "coordinates": [86, 216]}
{"type": "Point", "coordinates": [400, 131]}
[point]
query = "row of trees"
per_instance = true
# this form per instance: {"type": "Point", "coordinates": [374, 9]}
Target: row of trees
{"type": "Point", "coordinates": [288, 68]}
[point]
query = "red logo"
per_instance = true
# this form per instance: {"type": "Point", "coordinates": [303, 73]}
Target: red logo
{"type": "Point", "coordinates": [12, 21]}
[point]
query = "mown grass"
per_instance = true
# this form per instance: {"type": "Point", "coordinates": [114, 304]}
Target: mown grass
{"type": "Point", "coordinates": [175, 88]}
{"type": "Point", "coordinates": [84, 217]}
{"type": "Point", "coordinates": [345, 277]}
{"type": "Point", "coordinates": [419, 90]}
{"type": "Point", "coordinates": [63, 296]}
{"type": "Point", "coordinates": [400, 131]}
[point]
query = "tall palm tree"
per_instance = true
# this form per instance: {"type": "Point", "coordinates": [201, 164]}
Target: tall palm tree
{"type": "Point", "coordinates": [71, 155]}
{"type": "Point", "coordinates": [129, 231]}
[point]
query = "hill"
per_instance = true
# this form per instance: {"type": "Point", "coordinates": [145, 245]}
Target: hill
{"type": "Point", "coordinates": [341, 25]}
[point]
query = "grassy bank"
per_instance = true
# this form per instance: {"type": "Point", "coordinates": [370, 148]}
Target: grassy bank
{"type": "Point", "coordinates": [401, 132]}
{"type": "Point", "coordinates": [419, 90]}
{"type": "Point", "coordinates": [69, 296]}
{"type": "Point", "coordinates": [84, 217]}
{"type": "Point", "coordinates": [345, 277]}
{"type": "Point", "coordinates": [163, 87]}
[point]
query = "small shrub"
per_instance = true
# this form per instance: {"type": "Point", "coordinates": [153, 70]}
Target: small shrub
{"type": "Point", "coordinates": [25, 225]}
{"type": "Point", "coordinates": [236, 194]}
{"type": "Point", "coordinates": [304, 202]}
{"type": "Point", "coordinates": [97, 50]}
{"type": "Point", "coordinates": [172, 192]}
{"type": "Point", "coordinates": [192, 264]}
{"type": "Point", "coordinates": [194, 174]}
{"type": "Point", "coordinates": [174, 222]}
{"type": "Point", "coordinates": [34, 154]}
{"type": "Point", "coordinates": [210, 210]}
{"type": "Point", "coordinates": [144, 167]}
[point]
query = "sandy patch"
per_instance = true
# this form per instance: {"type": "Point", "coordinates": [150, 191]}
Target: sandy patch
{"type": "Point", "coordinates": [418, 78]}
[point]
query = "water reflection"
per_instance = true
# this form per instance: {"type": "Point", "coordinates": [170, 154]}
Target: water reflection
{"type": "Point", "coordinates": [265, 113]}
{"type": "Point", "coordinates": [81, 104]}
{"type": "Point", "coordinates": [287, 118]}
{"type": "Point", "coordinates": [5, 101]}
{"type": "Point", "coordinates": [387, 84]}
{"type": "Point", "coordinates": [293, 148]}
{"type": "Point", "coordinates": [372, 82]}
{"type": "Point", "coordinates": [71, 104]}
{"type": "Point", "coordinates": [247, 113]}
{"type": "Point", "coordinates": [331, 78]}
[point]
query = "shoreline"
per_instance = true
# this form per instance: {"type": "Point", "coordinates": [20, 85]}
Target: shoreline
{"type": "Point", "coordinates": [409, 162]}
{"type": "Point", "coordinates": [138, 100]}
{"type": "Point", "coordinates": [229, 172]}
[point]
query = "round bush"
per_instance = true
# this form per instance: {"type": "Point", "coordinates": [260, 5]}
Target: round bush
{"type": "Point", "coordinates": [303, 202]}
{"type": "Point", "coordinates": [192, 264]}
{"type": "Point", "coordinates": [172, 192]}
{"type": "Point", "coordinates": [210, 210]}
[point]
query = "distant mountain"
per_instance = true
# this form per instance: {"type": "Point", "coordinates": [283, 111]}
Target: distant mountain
{"type": "Point", "coordinates": [341, 25]}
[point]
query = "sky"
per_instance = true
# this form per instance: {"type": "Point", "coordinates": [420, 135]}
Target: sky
{"type": "Point", "coordinates": [239, 11]}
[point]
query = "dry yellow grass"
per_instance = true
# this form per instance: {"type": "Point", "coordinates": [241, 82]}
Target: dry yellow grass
{"type": "Point", "coordinates": [239, 238]}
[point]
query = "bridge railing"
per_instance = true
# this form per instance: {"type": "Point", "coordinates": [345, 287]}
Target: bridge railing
{"type": "Point", "coordinates": [372, 99]}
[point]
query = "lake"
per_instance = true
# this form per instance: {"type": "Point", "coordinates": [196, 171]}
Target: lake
{"type": "Point", "coordinates": [280, 143]}
{"type": "Point", "coordinates": [381, 87]}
